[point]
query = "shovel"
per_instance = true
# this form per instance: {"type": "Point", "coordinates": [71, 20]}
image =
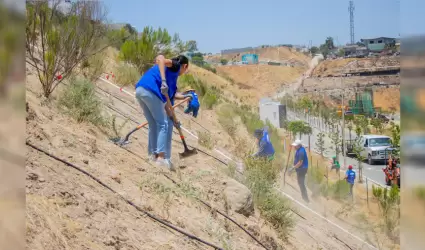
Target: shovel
{"type": "Point", "coordinates": [122, 142]}
{"type": "Point", "coordinates": [287, 164]}
{"type": "Point", "coordinates": [187, 152]}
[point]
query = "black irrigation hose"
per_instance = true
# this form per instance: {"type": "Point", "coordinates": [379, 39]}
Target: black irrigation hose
{"type": "Point", "coordinates": [221, 213]}
{"type": "Point", "coordinates": [122, 197]}
{"type": "Point", "coordinates": [342, 242]}
{"type": "Point", "coordinates": [200, 150]}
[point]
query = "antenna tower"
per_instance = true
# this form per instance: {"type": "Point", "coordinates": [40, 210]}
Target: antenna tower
{"type": "Point", "coordinates": [351, 10]}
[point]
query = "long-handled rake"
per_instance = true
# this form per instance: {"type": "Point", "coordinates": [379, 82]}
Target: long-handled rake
{"type": "Point", "coordinates": [187, 152]}
{"type": "Point", "coordinates": [121, 142]}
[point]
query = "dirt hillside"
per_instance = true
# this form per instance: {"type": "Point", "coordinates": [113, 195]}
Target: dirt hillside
{"type": "Point", "coordinates": [271, 53]}
{"type": "Point", "coordinates": [336, 66]}
{"type": "Point", "coordinates": [68, 210]}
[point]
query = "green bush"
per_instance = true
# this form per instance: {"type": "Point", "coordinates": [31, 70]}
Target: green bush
{"type": "Point", "coordinates": [277, 211]}
{"type": "Point", "coordinates": [94, 66]}
{"type": "Point", "coordinates": [126, 75]}
{"type": "Point", "coordinates": [226, 118]}
{"type": "Point", "coordinates": [260, 176]}
{"type": "Point", "coordinates": [79, 100]}
{"type": "Point", "coordinates": [209, 96]}
{"type": "Point", "coordinates": [339, 190]}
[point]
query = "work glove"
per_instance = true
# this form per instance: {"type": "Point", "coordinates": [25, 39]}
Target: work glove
{"type": "Point", "coordinates": [291, 170]}
{"type": "Point", "coordinates": [188, 96]}
{"type": "Point", "coordinates": [164, 87]}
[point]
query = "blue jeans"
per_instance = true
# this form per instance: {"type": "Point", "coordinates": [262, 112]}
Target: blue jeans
{"type": "Point", "coordinates": [154, 111]}
{"type": "Point", "coordinates": [169, 138]}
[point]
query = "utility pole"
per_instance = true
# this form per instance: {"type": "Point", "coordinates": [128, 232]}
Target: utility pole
{"type": "Point", "coordinates": [343, 127]}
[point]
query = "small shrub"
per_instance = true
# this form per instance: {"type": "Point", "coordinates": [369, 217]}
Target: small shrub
{"type": "Point", "coordinates": [260, 178]}
{"type": "Point", "coordinates": [79, 100]}
{"type": "Point", "coordinates": [277, 211]}
{"type": "Point", "coordinates": [116, 129]}
{"type": "Point", "coordinates": [209, 100]}
{"type": "Point", "coordinates": [226, 116]}
{"type": "Point", "coordinates": [339, 190]}
{"type": "Point", "coordinates": [93, 67]}
{"type": "Point", "coordinates": [204, 139]}
{"type": "Point", "coordinates": [126, 75]}
{"type": "Point", "coordinates": [389, 205]}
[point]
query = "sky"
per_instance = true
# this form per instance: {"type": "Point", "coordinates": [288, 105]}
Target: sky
{"type": "Point", "coordinates": [226, 24]}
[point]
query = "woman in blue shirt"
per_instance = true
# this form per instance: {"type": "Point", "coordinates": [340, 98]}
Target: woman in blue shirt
{"type": "Point", "coordinates": [159, 80]}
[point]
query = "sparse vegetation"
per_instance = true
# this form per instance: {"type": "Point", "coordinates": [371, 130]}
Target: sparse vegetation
{"type": "Point", "coordinates": [94, 66]}
{"type": "Point", "coordinates": [209, 96]}
{"type": "Point", "coordinates": [58, 43]}
{"type": "Point", "coordinates": [205, 139]}
{"type": "Point", "coordinates": [389, 204]}
{"type": "Point", "coordinates": [126, 75]}
{"type": "Point", "coordinates": [320, 143]}
{"type": "Point", "coordinates": [260, 178]}
{"type": "Point", "coordinates": [79, 100]}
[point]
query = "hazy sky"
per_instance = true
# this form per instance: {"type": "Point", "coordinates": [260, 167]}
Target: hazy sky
{"type": "Point", "coordinates": [224, 24]}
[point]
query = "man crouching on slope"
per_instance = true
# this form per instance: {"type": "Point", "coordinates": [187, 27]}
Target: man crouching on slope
{"type": "Point", "coordinates": [265, 147]}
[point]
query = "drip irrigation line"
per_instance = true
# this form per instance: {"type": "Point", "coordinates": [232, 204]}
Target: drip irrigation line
{"type": "Point", "coordinates": [221, 213]}
{"type": "Point", "coordinates": [200, 150]}
{"type": "Point", "coordinates": [193, 237]}
{"type": "Point", "coordinates": [342, 242]}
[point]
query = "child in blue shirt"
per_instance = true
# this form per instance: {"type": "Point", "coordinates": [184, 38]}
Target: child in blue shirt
{"type": "Point", "coordinates": [193, 103]}
{"type": "Point", "coordinates": [350, 176]}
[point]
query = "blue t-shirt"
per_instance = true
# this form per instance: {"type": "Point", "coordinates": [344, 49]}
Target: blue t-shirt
{"type": "Point", "coordinates": [301, 154]}
{"type": "Point", "coordinates": [151, 80]}
{"type": "Point", "coordinates": [194, 102]}
{"type": "Point", "coordinates": [351, 176]}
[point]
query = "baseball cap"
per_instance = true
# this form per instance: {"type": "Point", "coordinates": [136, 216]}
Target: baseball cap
{"type": "Point", "coordinates": [258, 133]}
{"type": "Point", "coordinates": [350, 167]}
{"type": "Point", "coordinates": [297, 143]}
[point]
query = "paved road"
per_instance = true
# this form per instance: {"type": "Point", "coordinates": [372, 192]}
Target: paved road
{"type": "Point", "coordinates": [372, 172]}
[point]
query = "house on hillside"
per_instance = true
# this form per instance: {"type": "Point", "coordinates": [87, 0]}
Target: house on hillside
{"type": "Point", "coordinates": [233, 51]}
{"type": "Point", "coordinates": [355, 51]}
{"type": "Point", "coordinates": [377, 45]}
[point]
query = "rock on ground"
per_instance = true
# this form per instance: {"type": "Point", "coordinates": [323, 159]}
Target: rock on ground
{"type": "Point", "coordinates": [239, 198]}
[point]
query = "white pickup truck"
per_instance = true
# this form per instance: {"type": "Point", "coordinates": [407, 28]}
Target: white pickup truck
{"type": "Point", "coordinates": [375, 147]}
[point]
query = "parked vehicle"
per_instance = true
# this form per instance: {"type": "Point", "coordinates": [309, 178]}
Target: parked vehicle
{"type": "Point", "coordinates": [374, 147]}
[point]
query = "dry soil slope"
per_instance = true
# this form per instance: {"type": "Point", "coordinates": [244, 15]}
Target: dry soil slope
{"type": "Point", "coordinates": [334, 67]}
{"type": "Point", "coordinates": [256, 81]}
{"type": "Point", "coordinates": [271, 53]}
{"type": "Point", "coordinates": [67, 210]}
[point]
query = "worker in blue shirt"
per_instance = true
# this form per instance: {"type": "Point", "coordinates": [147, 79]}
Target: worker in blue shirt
{"type": "Point", "coordinates": [301, 167]}
{"type": "Point", "coordinates": [157, 81]}
{"type": "Point", "coordinates": [350, 176]}
{"type": "Point", "coordinates": [265, 147]}
{"type": "Point", "coordinates": [193, 104]}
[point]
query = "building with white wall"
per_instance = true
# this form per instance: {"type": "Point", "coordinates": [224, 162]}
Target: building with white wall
{"type": "Point", "coordinates": [273, 111]}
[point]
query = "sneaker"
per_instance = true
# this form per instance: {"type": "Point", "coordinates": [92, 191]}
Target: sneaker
{"type": "Point", "coordinates": [152, 158]}
{"type": "Point", "coordinates": [165, 163]}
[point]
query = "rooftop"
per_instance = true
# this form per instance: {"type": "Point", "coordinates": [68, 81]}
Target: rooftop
{"type": "Point", "coordinates": [376, 38]}
{"type": "Point", "coordinates": [376, 136]}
